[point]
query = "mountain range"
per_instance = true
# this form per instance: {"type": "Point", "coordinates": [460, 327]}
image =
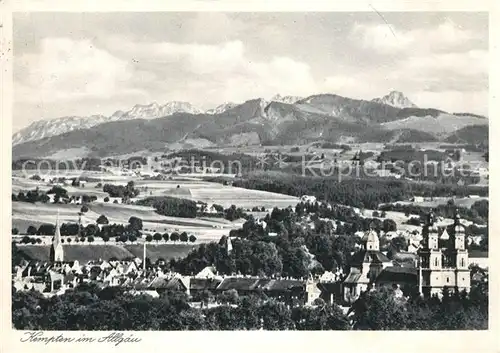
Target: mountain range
{"type": "Point", "coordinates": [281, 120]}
{"type": "Point", "coordinates": [395, 99]}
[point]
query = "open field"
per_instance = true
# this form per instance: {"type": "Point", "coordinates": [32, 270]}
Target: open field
{"type": "Point", "coordinates": [459, 202]}
{"type": "Point", "coordinates": [195, 189]}
{"type": "Point", "coordinates": [400, 218]}
{"type": "Point", "coordinates": [25, 214]}
{"type": "Point", "coordinates": [85, 253]}
{"type": "Point", "coordinates": [205, 229]}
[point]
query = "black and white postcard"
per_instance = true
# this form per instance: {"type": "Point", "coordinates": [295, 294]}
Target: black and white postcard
{"type": "Point", "coordinates": [247, 167]}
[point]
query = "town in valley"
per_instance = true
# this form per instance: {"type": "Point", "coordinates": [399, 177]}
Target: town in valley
{"type": "Point", "coordinates": [336, 207]}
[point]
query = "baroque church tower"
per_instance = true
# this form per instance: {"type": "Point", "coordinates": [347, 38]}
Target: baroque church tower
{"type": "Point", "coordinates": [443, 258]}
{"type": "Point", "coordinates": [56, 250]}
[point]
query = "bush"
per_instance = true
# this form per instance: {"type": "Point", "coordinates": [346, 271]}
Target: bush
{"type": "Point", "coordinates": [90, 239]}
{"type": "Point", "coordinates": [84, 209]}
{"type": "Point", "coordinates": [106, 199]}
{"type": "Point", "coordinates": [127, 192]}
{"type": "Point", "coordinates": [15, 231]}
{"type": "Point", "coordinates": [192, 238]}
{"type": "Point", "coordinates": [102, 220]}
{"type": "Point", "coordinates": [31, 230]}
{"type": "Point", "coordinates": [174, 236]}
{"type": "Point", "coordinates": [183, 237]}
{"type": "Point", "coordinates": [157, 237]}
{"type": "Point", "coordinates": [135, 223]}
{"type": "Point", "coordinates": [165, 236]}
{"type": "Point", "coordinates": [46, 229]}
{"type": "Point", "coordinates": [149, 238]}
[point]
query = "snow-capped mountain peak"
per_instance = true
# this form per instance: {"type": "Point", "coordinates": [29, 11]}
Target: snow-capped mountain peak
{"type": "Point", "coordinates": [221, 108]}
{"type": "Point", "coordinates": [47, 128]}
{"type": "Point", "coordinates": [154, 110]}
{"type": "Point", "coordinates": [285, 99]}
{"type": "Point", "coordinates": [396, 99]}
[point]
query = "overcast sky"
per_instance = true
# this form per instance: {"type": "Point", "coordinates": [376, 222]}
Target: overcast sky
{"type": "Point", "coordinates": [97, 63]}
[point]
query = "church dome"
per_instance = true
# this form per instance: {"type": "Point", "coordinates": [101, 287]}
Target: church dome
{"type": "Point", "coordinates": [433, 229]}
{"type": "Point", "coordinates": [370, 236]}
{"type": "Point", "coordinates": [459, 228]}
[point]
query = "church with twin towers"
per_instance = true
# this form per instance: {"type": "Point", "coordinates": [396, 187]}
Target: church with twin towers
{"type": "Point", "coordinates": [444, 258]}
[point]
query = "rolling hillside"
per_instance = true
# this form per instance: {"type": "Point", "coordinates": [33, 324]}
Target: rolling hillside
{"type": "Point", "coordinates": [320, 117]}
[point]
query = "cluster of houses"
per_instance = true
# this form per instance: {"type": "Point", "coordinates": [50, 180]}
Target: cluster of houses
{"type": "Point", "coordinates": [441, 259]}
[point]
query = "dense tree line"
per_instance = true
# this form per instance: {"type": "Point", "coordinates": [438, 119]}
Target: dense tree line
{"type": "Point", "coordinates": [31, 196]}
{"type": "Point", "coordinates": [89, 308]}
{"type": "Point", "coordinates": [247, 257]}
{"type": "Point", "coordinates": [93, 164]}
{"type": "Point", "coordinates": [296, 251]}
{"type": "Point", "coordinates": [233, 213]}
{"type": "Point", "coordinates": [377, 310]}
{"type": "Point", "coordinates": [171, 206]}
{"type": "Point", "coordinates": [60, 195]}
{"type": "Point", "coordinates": [235, 163]}
{"type": "Point", "coordinates": [410, 154]}
{"type": "Point", "coordinates": [129, 191]}
{"type": "Point", "coordinates": [361, 193]}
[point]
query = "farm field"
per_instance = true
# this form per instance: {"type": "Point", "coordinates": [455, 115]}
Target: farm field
{"type": "Point", "coordinates": [205, 229]}
{"type": "Point", "coordinates": [459, 202]}
{"type": "Point", "coordinates": [85, 253]}
{"type": "Point", "coordinates": [400, 218]}
{"type": "Point", "coordinates": [209, 192]}
{"type": "Point", "coordinates": [25, 214]}
{"type": "Point", "coordinates": [195, 189]}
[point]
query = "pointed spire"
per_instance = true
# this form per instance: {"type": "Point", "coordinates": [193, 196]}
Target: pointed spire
{"type": "Point", "coordinates": [57, 251]}
{"type": "Point", "coordinates": [57, 234]}
{"type": "Point", "coordinates": [430, 219]}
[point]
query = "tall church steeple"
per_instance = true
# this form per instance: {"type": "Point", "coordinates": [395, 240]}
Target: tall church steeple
{"type": "Point", "coordinates": [443, 265]}
{"type": "Point", "coordinates": [56, 250]}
